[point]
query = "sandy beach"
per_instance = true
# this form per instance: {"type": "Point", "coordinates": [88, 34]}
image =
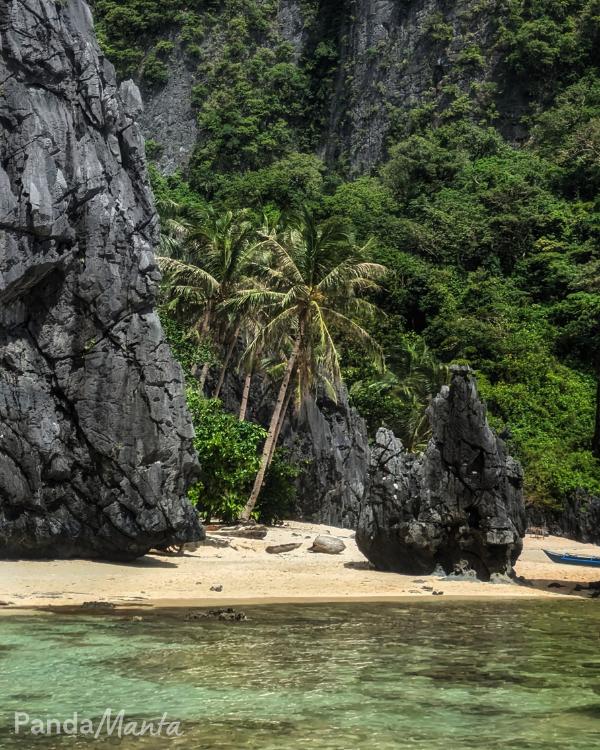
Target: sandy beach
{"type": "Point", "coordinates": [248, 574]}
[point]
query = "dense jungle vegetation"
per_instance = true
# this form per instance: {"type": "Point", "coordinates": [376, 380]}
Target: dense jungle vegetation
{"type": "Point", "coordinates": [491, 245]}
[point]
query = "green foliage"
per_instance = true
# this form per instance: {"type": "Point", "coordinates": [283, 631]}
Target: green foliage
{"type": "Point", "coordinates": [293, 181]}
{"type": "Point", "coordinates": [153, 149]}
{"type": "Point", "coordinates": [578, 316]}
{"type": "Point", "coordinates": [437, 28]}
{"type": "Point", "coordinates": [548, 411]}
{"type": "Point", "coordinates": [229, 455]}
{"type": "Point", "coordinates": [127, 30]}
{"type": "Point", "coordinates": [475, 200]}
{"type": "Point", "coordinates": [400, 399]}
{"type": "Point", "coordinates": [471, 56]}
{"type": "Point", "coordinates": [229, 459]}
{"type": "Point", "coordinates": [174, 191]}
{"type": "Point", "coordinates": [548, 40]}
{"type": "Point", "coordinates": [186, 349]}
{"type": "Point", "coordinates": [546, 407]}
{"type": "Point", "coordinates": [154, 70]}
{"type": "Point", "coordinates": [368, 206]}
{"type": "Point", "coordinates": [569, 134]}
{"type": "Point", "coordinates": [492, 247]}
{"type": "Point", "coordinates": [250, 118]}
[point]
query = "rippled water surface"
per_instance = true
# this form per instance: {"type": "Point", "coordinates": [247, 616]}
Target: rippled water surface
{"type": "Point", "coordinates": [335, 677]}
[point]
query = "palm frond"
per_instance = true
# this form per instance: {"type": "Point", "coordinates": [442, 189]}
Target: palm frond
{"type": "Point", "coordinates": [177, 272]}
{"type": "Point", "coordinates": [361, 336]}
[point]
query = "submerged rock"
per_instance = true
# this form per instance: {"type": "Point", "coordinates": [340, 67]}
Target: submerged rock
{"type": "Point", "coordinates": [459, 502]}
{"type": "Point", "coordinates": [227, 614]}
{"type": "Point", "coordinates": [96, 605]}
{"type": "Point", "coordinates": [95, 441]}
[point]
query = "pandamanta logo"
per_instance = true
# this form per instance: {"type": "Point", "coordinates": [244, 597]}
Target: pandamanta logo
{"type": "Point", "coordinates": [110, 724]}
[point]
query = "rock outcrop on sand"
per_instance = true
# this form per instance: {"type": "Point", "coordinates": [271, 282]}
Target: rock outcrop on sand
{"type": "Point", "coordinates": [329, 442]}
{"type": "Point", "coordinates": [459, 502]}
{"type": "Point", "coordinates": [95, 440]}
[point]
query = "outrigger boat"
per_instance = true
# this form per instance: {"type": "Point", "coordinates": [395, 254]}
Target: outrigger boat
{"type": "Point", "coordinates": [564, 558]}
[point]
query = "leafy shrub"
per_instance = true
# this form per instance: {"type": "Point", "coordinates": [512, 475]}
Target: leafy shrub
{"type": "Point", "coordinates": [153, 149]}
{"type": "Point", "coordinates": [229, 455]}
{"type": "Point", "coordinates": [229, 459]}
{"type": "Point", "coordinates": [186, 349]}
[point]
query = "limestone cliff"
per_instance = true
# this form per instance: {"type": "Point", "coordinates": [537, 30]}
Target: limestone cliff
{"type": "Point", "coordinates": [386, 59]}
{"type": "Point", "coordinates": [95, 440]}
{"type": "Point", "coordinates": [395, 57]}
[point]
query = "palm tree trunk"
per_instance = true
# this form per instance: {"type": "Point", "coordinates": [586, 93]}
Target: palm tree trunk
{"type": "Point", "coordinates": [203, 327]}
{"type": "Point", "coordinates": [226, 361]}
{"type": "Point", "coordinates": [286, 405]}
{"type": "Point", "coordinates": [271, 435]}
{"type": "Point", "coordinates": [203, 330]}
{"type": "Point", "coordinates": [245, 396]}
{"type": "Point", "coordinates": [203, 376]}
{"type": "Point", "coordinates": [596, 438]}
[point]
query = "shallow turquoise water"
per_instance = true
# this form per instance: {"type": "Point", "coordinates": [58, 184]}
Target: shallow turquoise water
{"type": "Point", "coordinates": [419, 675]}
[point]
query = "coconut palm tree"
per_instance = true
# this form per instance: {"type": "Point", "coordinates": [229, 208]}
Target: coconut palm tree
{"type": "Point", "coordinates": [312, 293]}
{"type": "Point", "coordinates": [207, 259]}
{"type": "Point", "coordinates": [416, 379]}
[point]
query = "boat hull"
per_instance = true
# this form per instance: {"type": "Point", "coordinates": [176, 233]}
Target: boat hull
{"type": "Point", "coordinates": [566, 559]}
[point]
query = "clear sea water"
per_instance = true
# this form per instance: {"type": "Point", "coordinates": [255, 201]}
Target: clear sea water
{"type": "Point", "coordinates": [454, 675]}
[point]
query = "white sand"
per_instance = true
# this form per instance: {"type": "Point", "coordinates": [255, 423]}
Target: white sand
{"type": "Point", "coordinates": [248, 574]}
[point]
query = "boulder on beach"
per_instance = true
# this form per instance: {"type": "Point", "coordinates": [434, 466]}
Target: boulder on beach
{"type": "Point", "coordinates": [460, 502]}
{"type": "Point", "coordinates": [328, 545]}
{"type": "Point", "coordinates": [279, 549]}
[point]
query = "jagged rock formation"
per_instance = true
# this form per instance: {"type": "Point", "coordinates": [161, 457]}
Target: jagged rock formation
{"type": "Point", "coordinates": [95, 440]}
{"type": "Point", "coordinates": [461, 500]}
{"type": "Point", "coordinates": [329, 442]}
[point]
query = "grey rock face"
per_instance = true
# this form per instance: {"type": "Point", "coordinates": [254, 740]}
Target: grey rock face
{"type": "Point", "coordinates": [393, 57]}
{"type": "Point", "coordinates": [95, 439]}
{"type": "Point", "coordinates": [396, 56]}
{"type": "Point", "coordinates": [291, 23]}
{"type": "Point", "coordinates": [579, 519]}
{"type": "Point", "coordinates": [168, 117]}
{"type": "Point", "coordinates": [461, 500]}
{"type": "Point", "coordinates": [327, 441]}
{"type": "Point", "coordinates": [330, 444]}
